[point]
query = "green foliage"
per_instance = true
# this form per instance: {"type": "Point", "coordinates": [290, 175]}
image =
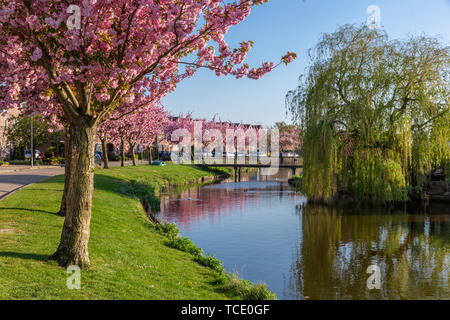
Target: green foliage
{"type": "Point", "coordinates": [26, 162]}
{"type": "Point", "coordinates": [4, 163]}
{"type": "Point", "coordinates": [50, 152]}
{"type": "Point", "coordinates": [247, 290]}
{"type": "Point", "coordinates": [377, 179]}
{"type": "Point", "coordinates": [43, 132]}
{"type": "Point", "coordinates": [18, 153]}
{"type": "Point", "coordinates": [184, 244]}
{"type": "Point", "coordinates": [113, 157]}
{"type": "Point", "coordinates": [169, 229]}
{"type": "Point", "coordinates": [53, 160]}
{"type": "Point", "coordinates": [375, 113]}
{"type": "Point", "coordinates": [210, 262]}
{"type": "Point", "coordinates": [296, 181]}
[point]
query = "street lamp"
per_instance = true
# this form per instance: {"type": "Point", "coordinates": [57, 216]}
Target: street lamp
{"type": "Point", "coordinates": [31, 133]}
{"type": "Point", "coordinates": [24, 104]}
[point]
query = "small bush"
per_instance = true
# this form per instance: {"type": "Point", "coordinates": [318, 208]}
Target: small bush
{"type": "Point", "coordinates": [210, 262]}
{"type": "Point", "coordinates": [296, 181]}
{"type": "Point", "coordinates": [26, 162]}
{"type": "Point", "coordinates": [247, 290]}
{"type": "Point", "coordinates": [114, 157]}
{"type": "Point", "coordinates": [50, 152]}
{"type": "Point", "coordinates": [169, 229]}
{"type": "Point", "coordinates": [19, 162]}
{"type": "Point", "coordinates": [53, 161]}
{"type": "Point", "coordinates": [4, 163]}
{"type": "Point", "coordinates": [186, 245]}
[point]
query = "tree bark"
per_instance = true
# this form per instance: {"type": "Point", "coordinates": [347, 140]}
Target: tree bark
{"type": "Point", "coordinates": [133, 155]}
{"type": "Point", "coordinates": [105, 154]}
{"type": "Point", "coordinates": [150, 158]}
{"type": "Point", "coordinates": [73, 247]}
{"type": "Point", "coordinates": [67, 158]}
{"type": "Point", "coordinates": [122, 151]}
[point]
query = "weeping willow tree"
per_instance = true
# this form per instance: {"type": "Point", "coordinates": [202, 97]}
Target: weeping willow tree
{"type": "Point", "coordinates": [375, 113]}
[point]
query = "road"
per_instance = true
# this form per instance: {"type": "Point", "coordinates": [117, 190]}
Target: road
{"type": "Point", "coordinates": [13, 178]}
{"type": "Point", "coordinates": [12, 181]}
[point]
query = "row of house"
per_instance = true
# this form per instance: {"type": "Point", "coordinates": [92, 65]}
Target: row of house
{"type": "Point", "coordinates": [6, 146]}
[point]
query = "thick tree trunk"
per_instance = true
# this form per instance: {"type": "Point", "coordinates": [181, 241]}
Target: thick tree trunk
{"type": "Point", "coordinates": [67, 157]}
{"type": "Point", "coordinates": [105, 154]}
{"type": "Point", "coordinates": [73, 247]}
{"type": "Point", "coordinates": [133, 155]}
{"type": "Point", "coordinates": [122, 151]}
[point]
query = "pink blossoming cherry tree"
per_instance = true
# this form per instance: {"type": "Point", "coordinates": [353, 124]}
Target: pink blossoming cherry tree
{"type": "Point", "coordinates": [121, 49]}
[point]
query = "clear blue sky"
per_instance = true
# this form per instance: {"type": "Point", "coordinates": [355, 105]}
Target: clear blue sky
{"type": "Point", "coordinates": [293, 25]}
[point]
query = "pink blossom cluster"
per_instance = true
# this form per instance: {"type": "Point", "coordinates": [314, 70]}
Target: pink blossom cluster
{"type": "Point", "coordinates": [291, 139]}
{"type": "Point", "coordinates": [124, 47]}
{"type": "Point", "coordinates": [140, 127]}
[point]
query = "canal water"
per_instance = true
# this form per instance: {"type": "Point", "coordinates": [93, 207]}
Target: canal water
{"type": "Point", "coordinates": [264, 231]}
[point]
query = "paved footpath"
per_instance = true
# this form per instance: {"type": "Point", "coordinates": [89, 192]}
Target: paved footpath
{"type": "Point", "coordinates": [13, 178]}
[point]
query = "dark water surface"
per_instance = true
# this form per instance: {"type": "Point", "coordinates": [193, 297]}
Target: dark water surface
{"type": "Point", "coordinates": [261, 232]}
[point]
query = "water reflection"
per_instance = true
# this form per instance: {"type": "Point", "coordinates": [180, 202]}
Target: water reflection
{"type": "Point", "coordinates": [412, 251]}
{"type": "Point", "coordinates": [261, 230]}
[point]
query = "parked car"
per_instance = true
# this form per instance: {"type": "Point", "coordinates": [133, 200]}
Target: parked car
{"type": "Point", "coordinates": [164, 155]}
{"type": "Point", "coordinates": [228, 154]}
{"type": "Point", "coordinates": [288, 154]}
{"type": "Point", "coordinates": [37, 154]}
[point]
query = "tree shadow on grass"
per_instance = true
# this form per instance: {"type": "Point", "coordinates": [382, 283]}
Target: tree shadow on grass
{"type": "Point", "coordinates": [25, 256]}
{"type": "Point", "coordinates": [32, 210]}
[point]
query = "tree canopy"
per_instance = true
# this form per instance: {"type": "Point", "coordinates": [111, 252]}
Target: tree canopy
{"type": "Point", "coordinates": [43, 132]}
{"type": "Point", "coordinates": [375, 113]}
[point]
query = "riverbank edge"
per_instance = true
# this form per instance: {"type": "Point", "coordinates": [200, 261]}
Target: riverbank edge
{"type": "Point", "coordinates": [230, 282]}
{"type": "Point", "coordinates": [346, 200]}
{"type": "Point", "coordinates": [29, 274]}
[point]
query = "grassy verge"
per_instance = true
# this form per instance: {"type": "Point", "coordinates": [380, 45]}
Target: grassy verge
{"type": "Point", "coordinates": [131, 258]}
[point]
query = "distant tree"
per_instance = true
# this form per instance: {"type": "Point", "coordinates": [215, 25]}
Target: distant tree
{"type": "Point", "coordinates": [20, 132]}
{"type": "Point", "coordinates": [290, 136]}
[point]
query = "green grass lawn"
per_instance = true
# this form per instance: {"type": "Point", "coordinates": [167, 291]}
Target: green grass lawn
{"type": "Point", "coordinates": [129, 257]}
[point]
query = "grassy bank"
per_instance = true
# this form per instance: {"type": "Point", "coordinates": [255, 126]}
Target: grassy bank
{"type": "Point", "coordinates": [131, 258]}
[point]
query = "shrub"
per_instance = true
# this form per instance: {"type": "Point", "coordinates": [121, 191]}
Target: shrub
{"type": "Point", "coordinates": [247, 290]}
{"type": "Point", "coordinates": [113, 157]}
{"type": "Point", "coordinates": [169, 229]}
{"type": "Point", "coordinates": [26, 162]}
{"type": "Point", "coordinates": [50, 152]}
{"type": "Point", "coordinates": [4, 163]}
{"type": "Point", "coordinates": [184, 244]}
{"type": "Point", "coordinates": [210, 262]}
{"type": "Point", "coordinates": [53, 160]}
{"type": "Point", "coordinates": [296, 181]}
{"type": "Point", "coordinates": [19, 162]}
